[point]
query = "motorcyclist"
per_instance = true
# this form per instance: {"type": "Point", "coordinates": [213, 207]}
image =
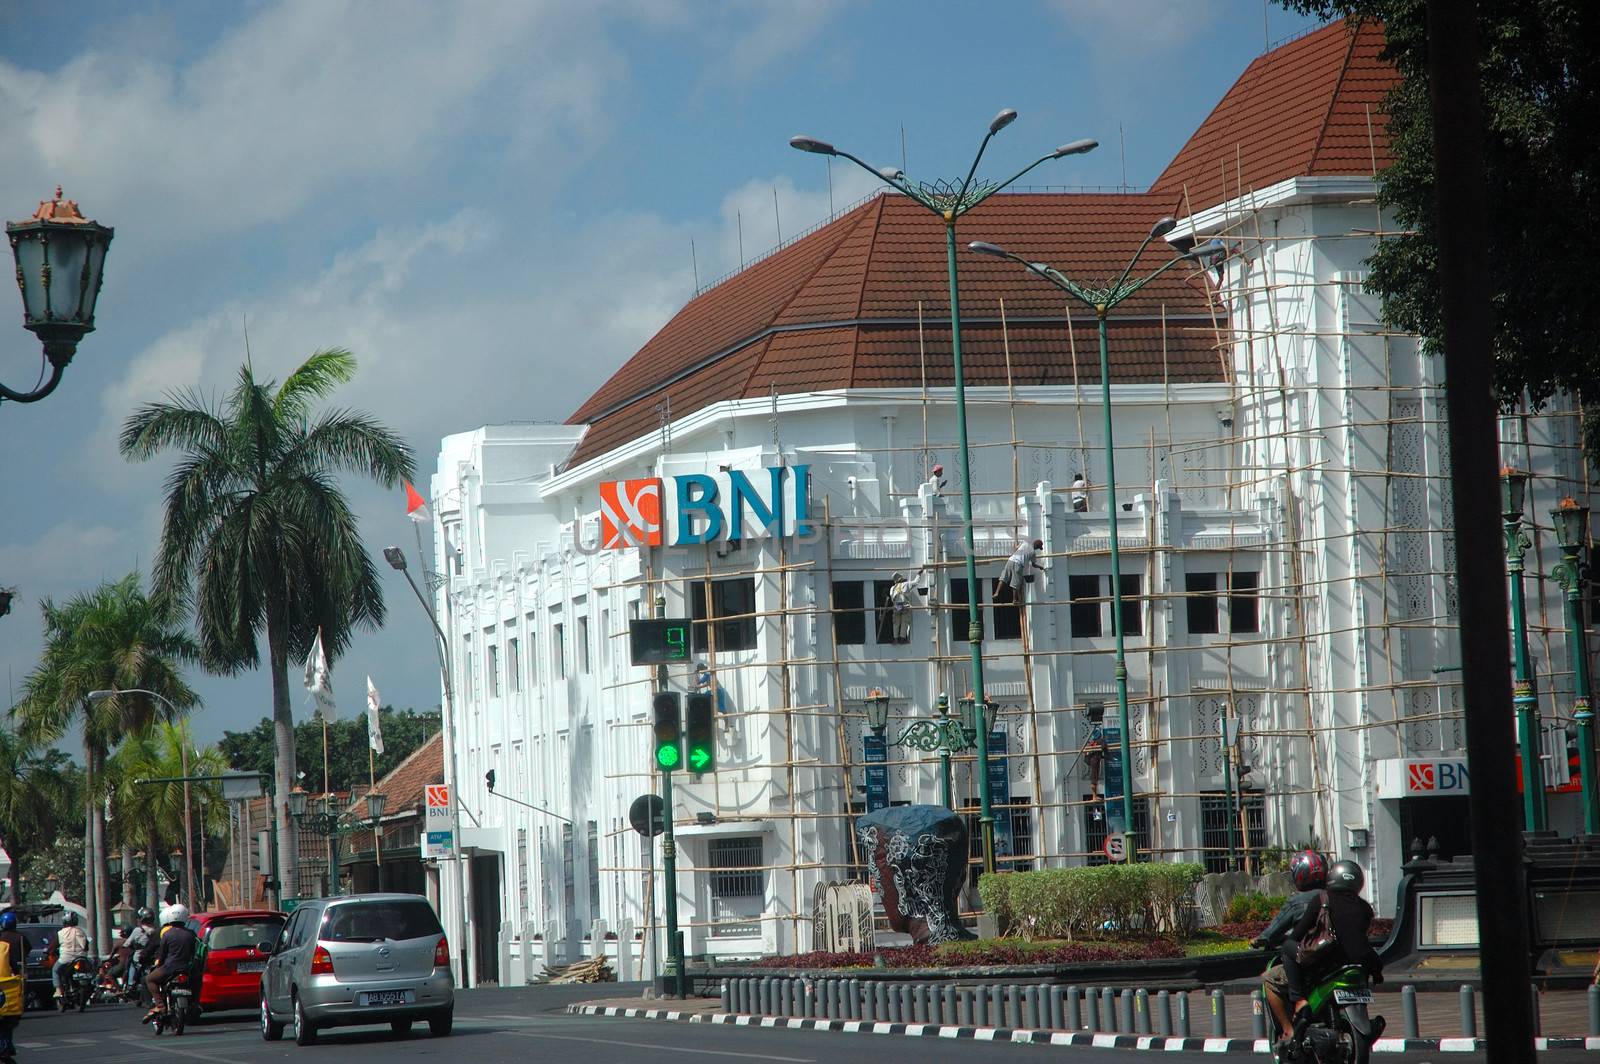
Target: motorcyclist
{"type": "Point", "coordinates": [116, 966]}
{"type": "Point", "coordinates": [139, 940]}
{"type": "Point", "coordinates": [174, 954]}
{"type": "Point", "coordinates": [1350, 917]}
{"type": "Point", "coordinates": [1308, 871]}
{"type": "Point", "coordinates": [15, 949]}
{"type": "Point", "coordinates": [72, 944]}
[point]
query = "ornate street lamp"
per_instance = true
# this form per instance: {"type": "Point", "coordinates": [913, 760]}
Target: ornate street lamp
{"type": "Point", "coordinates": [950, 201]}
{"type": "Point", "coordinates": [1572, 533]}
{"type": "Point", "coordinates": [1513, 493]}
{"type": "Point", "coordinates": [877, 706]}
{"type": "Point", "coordinates": [60, 256]}
{"type": "Point", "coordinates": [1101, 301]}
{"type": "Point", "coordinates": [298, 801]}
{"type": "Point", "coordinates": [376, 801]}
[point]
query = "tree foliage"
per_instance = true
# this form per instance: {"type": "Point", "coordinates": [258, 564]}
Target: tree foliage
{"type": "Point", "coordinates": [40, 802]}
{"type": "Point", "coordinates": [403, 732]}
{"type": "Point", "coordinates": [1540, 83]}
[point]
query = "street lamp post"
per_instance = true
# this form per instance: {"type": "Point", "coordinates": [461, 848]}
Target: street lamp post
{"type": "Point", "coordinates": [60, 255]}
{"type": "Point", "coordinates": [950, 202]}
{"type": "Point", "coordinates": [941, 733]}
{"type": "Point", "coordinates": [1101, 301]}
{"type": "Point", "coordinates": [325, 818]}
{"type": "Point", "coordinates": [1572, 532]}
{"type": "Point", "coordinates": [397, 560]}
{"type": "Point", "coordinates": [1513, 493]}
{"type": "Point", "coordinates": [376, 801]}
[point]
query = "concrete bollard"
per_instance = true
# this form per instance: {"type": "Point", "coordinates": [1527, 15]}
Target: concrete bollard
{"type": "Point", "coordinates": [856, 1005]}
{"type": "Point", "coordinates": [1014, 1007]}
{"type": "Point", "coordinates": [1258, 1015]}
{"type": "Point", "coordinates": [1030, 1008]}
{"type": "Point", "coordinates": [1183, 1014]}
{"type": "Point", "coordinates": [1108, 1010]}
{"type": "Point", "coordinates": [1071, 1018]}
{"type": "Point", "coordinates": [830, 1000]}
{"type": "Point", "coordinates": [787, 990]}
{"type": "Point", "coordinates": [1538, 1023]}
{"type": "Point", "coordinates": [1141, 1011]}
{"type": "Point", "coordinates": [964, 999]}
{"type": "Point", "coordinates": [727, 996]}
{"type": "Point", "coordinates": [1091, 1010]}
{"type": "Point", "coordinates": [1163, 1014]}
{"type": "Point", "coordinates": [1594, 1011]}
{"type": "Point", "coordinates": [947, 1014]}
{"type": "Point", "coordinates": [1056, 1010]}
{"type": "Point", "coordinates": [1469, 1015]}
{"type": "Point", "coordinates": [920, 1012]}
{"type": "Point", "coordinates": [1125, 1011]}
{"type": "Point", "coordinates": [802, 998]}
{"type": "Point", "coordinates": [908, 998]}
{"type": "Point", "coordinates": [1219, 1015]}
{"type": "Point", "coordinates": [764, 996]}
{"type": "Point", "coordinates": [997, 1006]}
{"type": "Point", "coordinates": [1408, 1012]}
{"type": "Point", "coordinates": [897, 1003]}
{"type": "Point", "coordinates": [880, 1002]}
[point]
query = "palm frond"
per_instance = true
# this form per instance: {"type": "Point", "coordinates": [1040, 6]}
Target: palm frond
{"type": "Point", "coordinates": [315, 379]}
{"type": "Point", "coordinates": [348, 439]}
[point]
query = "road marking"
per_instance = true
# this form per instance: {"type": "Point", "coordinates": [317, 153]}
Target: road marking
{"type": "Point", "coordinates": [168, 1047]}
{"type": "Point", "coordinates": [657, 1045]}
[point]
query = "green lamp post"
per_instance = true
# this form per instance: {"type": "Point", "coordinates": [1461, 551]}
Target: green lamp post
{"type": "Point", "coordinates": [1101, 301]}
{"type": "Point", "coordinates": [1572, 533]}
{"type": "Point", "coordinates": [950, 201]}
{"type": "Point", "coordinates": [941, 733]}
{"type": "Point", "coordinates": [1513, 494]}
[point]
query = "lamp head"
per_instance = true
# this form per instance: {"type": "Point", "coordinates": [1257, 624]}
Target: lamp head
{"type": "Point", "coordinates": [376, 800]}
{"type": "Point", "coordinates": [812, 145]}
{"type": "Point", "coordinates": [99, 696]}
{"type": "Point", "coordinates": [1572, 524]}
{"type": "Point", "coordinates": [1077, 147]}
{"type": "Point", "coordinates": [983, 248]}
{"type": "Point", "coordinates": [1163, 226]}
{"type": "Point", "coordinates": [877, 707]}
{"type": "Point", "coordinates": [891, 173]}
{"type": "Point", "coordinates": [1002, 120]}
{"type": "Point", "coordinates": [1513, 492]}
{"type": "Point", "coordinates": [297, 802]}
{"type": "Point", "coordinates": [1210, 249]}
{"type": "Point", "coordinates": [395, 557]}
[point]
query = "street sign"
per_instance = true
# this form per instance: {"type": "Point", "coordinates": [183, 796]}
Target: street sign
{"type": "Point", "coordinates": [875, 752]}
{"type": "Point", "coordinates": [1000, 792]}
{"type": "Point", "coordinates": [438, 825]}
{"type": "Point", "coordinates": [1116, 848]}
{"type": "Point", "coordinates": [646, 814]}
{"type": "Point", "coordinates": [659, 641]}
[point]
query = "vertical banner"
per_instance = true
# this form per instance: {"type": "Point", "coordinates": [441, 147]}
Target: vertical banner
{"type": "Point", "coordinates": [438, 827]}
{"type": "Point", "coordinates": [1000, 791]}
{"type": "Point", "coordinates": [875, 752]}
{"type": "Point", "coordinates": [1113, 781]}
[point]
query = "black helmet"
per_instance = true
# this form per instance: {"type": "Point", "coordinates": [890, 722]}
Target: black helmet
{"type": "Point", "coordinates": [1308, 869]}
{"type": "Point", "coordinates": [1346, 877]}
{"type": "Point", "coordinates": [70, 920]}
{"type": "Point", "coordinates": [145, 914]}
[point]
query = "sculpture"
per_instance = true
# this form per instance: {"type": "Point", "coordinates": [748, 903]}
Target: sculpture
{"type": "Point", "coordinates": [917, 855]}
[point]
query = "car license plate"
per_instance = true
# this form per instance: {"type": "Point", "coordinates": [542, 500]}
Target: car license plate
{"type": "Point", "coordinates": [251, 966]}
{"type": "Point", "coordinates": [1352, 997]}
{"type": "Point", "coordinates": [386, 997]}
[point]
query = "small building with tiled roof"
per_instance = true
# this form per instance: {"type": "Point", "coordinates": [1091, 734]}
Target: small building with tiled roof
{"type": "Point", "coordinates": [393, 860]}
{"type": "Point", "coordinates": [778, 467]}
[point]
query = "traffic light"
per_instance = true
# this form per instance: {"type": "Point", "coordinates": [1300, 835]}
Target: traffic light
{"type": "Point", "coordinates": [488, 778]}
{"type": "Point", "coordinates": [701, 729]}
{"type": "Point", "coordinates": [668, 731]}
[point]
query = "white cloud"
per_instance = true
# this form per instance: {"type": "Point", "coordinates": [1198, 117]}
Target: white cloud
{"type": "Point", "coordinates": [750, 208]}
{"type": "Point", "coordinates": [1113, 31]}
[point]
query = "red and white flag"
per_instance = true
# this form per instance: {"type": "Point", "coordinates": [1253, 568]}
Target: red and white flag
{"type": "Point", "coordinates": [374, 725]}
{"type": "Point", "coordinates": [416, 505]}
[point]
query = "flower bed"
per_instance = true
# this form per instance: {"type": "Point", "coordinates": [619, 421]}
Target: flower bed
{"type": "Point", "coordinates": [983, 953]}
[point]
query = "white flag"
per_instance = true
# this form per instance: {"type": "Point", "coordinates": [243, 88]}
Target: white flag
{"type": "Point", "coordinates": [318, 680]}
{"type": "Point", "coordinates": [374, 727]}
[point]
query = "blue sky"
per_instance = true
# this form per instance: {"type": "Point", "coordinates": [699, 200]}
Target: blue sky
{"type": "Point", "coordinates": [491, 203]}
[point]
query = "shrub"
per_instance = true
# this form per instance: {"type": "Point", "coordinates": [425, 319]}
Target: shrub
{"type": "Point", "coordinates": [1064, 903]}
{"type": "Point", "coordinates": [1253, 905]}
{"type": "Point", "coordinates": [981, 953]}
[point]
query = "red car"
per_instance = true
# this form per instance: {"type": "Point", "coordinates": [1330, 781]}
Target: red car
{"type": "Point", "coordinates": [234, 946]}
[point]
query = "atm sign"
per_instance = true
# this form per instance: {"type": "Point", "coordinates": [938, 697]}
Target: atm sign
{"type": "Point", "coordinates": [1436, 777]}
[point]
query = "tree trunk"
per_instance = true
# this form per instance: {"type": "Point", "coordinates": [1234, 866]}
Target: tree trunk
{"type": "Point", "coordinates": [127, 876]}
{"type": "Point", "coordinates": [152, 884]}
{"type": "Point", "coordinates": [283, 761]}
{"type": "Point", "coordinates": [101, 886]}
{"type": "Point", "coordinates": [90, 778]}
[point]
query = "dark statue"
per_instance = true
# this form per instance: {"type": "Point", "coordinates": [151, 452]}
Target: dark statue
{"type": "Point", "coordinates": [918, 858]}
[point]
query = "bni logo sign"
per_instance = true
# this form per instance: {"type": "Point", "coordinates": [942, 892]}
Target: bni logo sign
{"type": "Point", "coordinates": [705, 507]}
{"type": "Point", "coordinates": [1420, 777]}
{"type": "Point", "coordinates": [1443, 776]}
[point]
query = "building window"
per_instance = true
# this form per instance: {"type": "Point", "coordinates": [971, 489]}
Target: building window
{"type": "Point", "coordinates": [1244, 603]}
{"type": "Point", "coordinates": [583, 644]}
{"type": "Point", "coordinates": [469, 678]}
{"type": "Point", "coordinates": [533, 653]}
{"type": "Point", "coordinates": [849, 613]}
{"type": "Point", "coordinates": [558, 651]}
{"type": "Point", "coordinates": [513, 665]}
{"type": "Point", "coordinates": [569, 883]}
{"type": "Point", "coordinates": [733, 607]}
{"type": "Point", "coordinates": [884, 605]}
{"type": "Point", "coordinates": [1214, 817]}
{"type": "Point", "coordinates": [604, 644]}
{"type": "Point", "coordinates": [736, 868]}
{"type": "Point", "coordinates": [1132, 586]}
{"type": "Point", "coordinates": [1094, 827]}
{"type": "Point", "coordinates": [959, 620]}
{"type": "Point", "coordinates": [524, 869]}
{"type": "Point", "coordinates": [545, 901]}
{"type": "Point", "coordinates": [1084, 612]}
{"type": "Point", "coordinates": [1008, 617]}
{"type": "Point", "coordinates": [494, 671]}
{"type": "Point", "coordinates": [594, 869]}
{"type": "Point", "coordinates": [1200, 590]}
{"type": "Point", "coordinates": [1021, 833]}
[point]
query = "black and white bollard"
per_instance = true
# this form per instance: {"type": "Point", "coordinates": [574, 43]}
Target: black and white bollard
{"type": "Point", "coordinates": [1408, 1012]}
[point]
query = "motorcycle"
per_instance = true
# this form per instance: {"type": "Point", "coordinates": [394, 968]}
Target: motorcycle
{"type": "Point", "coordinates": [177, 1008]}
{"type": "Point", "coordinates": [78, 986]}
{"type": "Point", "coordinates": [1335, 1026]}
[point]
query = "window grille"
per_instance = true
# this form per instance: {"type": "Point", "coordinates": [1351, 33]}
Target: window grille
{"type": "Point", "coordinates": [1094, 829]}
{"type": "Point", "coordinates": [524, 869]}
{"type": "Point", "coordinates": [1214, 815]}
{"type": "Point", "coordinates": [594, 869]}
{"type": "Point", "coordinates": [513, 665]}
{"type": "Point", "coordinates": [494, 671]}
{"type": "Point", "coordinates": [736, 871]}
{"type": "Point", "coordinates": [569, 888]}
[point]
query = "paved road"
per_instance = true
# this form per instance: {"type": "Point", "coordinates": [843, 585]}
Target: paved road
{"type": "Point", "coordinates": [516, 1025]}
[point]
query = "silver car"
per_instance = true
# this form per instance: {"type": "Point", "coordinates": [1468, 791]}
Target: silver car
{"type": "Point", "coordinates": [366, 958]}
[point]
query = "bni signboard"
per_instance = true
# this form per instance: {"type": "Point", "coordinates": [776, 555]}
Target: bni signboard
{"type": "Point", "coordinates": [438, 826]}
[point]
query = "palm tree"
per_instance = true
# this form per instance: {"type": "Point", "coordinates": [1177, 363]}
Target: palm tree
{"type": "Point", "coordinates": [258, 538]}
{"type": "Point", "coordinates": [37, 796]}
{"type": "Point", "coordinates": [111, 637]}
{"type": "Point", "coordinates": [149, 816]}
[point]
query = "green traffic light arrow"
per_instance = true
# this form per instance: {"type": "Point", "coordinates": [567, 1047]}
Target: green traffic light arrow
{"type": "Point", "coordinates": [699, 758]}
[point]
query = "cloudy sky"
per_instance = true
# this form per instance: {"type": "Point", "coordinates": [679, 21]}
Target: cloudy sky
{"type": "Point", "coordinates": [491, 203]}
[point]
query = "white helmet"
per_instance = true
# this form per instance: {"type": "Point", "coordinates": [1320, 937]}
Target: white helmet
{"type": "Point", "coordinates": [174, 914]}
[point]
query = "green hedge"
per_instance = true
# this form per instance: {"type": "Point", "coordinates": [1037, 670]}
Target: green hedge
{"type": "Point", "coordinates": [1253, 905]}
{"type": "Point", "coordinates": [1070, 902]}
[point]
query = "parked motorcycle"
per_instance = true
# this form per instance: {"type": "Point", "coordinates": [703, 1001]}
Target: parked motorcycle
{"type": "Point", "coordinates": [178, 1006]}
{"type": "Point", "coordinates": [1335, 1026]}
{"type": "Point", "coordinates": [78, 986]}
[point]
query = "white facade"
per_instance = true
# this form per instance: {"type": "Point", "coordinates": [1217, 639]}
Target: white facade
{"type": "Point", "coordinates": [1319, 467]}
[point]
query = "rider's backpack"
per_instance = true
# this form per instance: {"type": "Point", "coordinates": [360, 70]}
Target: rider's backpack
{"type": "Point", "coordinates": [1321, 941]}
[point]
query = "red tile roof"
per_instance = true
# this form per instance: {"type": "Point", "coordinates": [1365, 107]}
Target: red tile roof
{"type": "Point", "coordinates": [841, 307]}
{"type": "Point", "coordinates": [1312, 106]}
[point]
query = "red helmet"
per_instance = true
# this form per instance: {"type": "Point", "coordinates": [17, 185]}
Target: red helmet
{"type": "Point", "coordinates": [1308, 869]}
